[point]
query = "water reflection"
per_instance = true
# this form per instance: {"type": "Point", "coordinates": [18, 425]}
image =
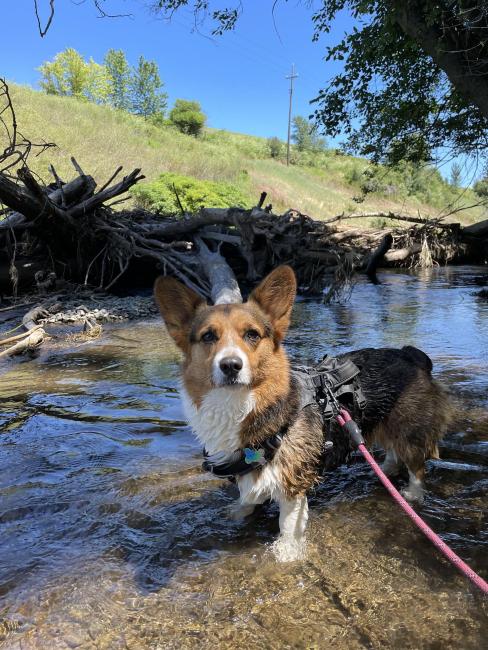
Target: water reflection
{"type": "Point", "coordinates": [111, 537]}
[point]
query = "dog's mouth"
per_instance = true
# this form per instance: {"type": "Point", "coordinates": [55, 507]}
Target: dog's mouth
{"type": "Point", "coordinates": [232, 382]}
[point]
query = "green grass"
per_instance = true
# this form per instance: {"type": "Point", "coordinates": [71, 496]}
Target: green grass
{"type": "Point", "coordinates": [321, 185]}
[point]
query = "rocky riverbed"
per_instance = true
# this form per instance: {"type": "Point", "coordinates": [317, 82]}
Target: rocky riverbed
{"type": "Point", "coordinates": [99, 308]}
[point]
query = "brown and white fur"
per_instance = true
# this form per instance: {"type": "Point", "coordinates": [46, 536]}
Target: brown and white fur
{"type": "Point", "coordinates": [237, 390]}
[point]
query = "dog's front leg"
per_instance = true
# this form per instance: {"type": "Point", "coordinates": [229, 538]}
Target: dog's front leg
{"type": "Point", "coordinates": [249, 498]}
{"type": "Point", "coordinates": [242, 509]}
{"type": "Point", "coordinates": [293, 523]}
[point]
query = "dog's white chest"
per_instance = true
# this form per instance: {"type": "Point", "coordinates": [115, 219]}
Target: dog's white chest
{"type": "Point", "coordinates": [217, 422]}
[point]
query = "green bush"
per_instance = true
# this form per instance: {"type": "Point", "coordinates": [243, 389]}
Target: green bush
{"type": "Point", "coordinates": [275, 147]}
{"type": "Point", "coordinates": [481, 187]}
{"type": "Point", "coordinates": [161, 194]}
{"type": "Point", "coordinates": [187, 116]}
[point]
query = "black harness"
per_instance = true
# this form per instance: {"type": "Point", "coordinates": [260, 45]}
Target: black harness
{"type": "Point", "coordinates": [320, 385]}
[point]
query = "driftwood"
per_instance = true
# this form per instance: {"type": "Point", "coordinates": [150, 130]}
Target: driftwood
{"type": "Point", "coordinates": [29, 340]}
{"type": "Point", "coordinates": [224, 286]}
{"type": "Point", "coordinates": [479, 229]}
{"type": "Point", "coordinates": [402, 254]}
{"type": "Point", "coordinates": [377, 256]}
{"type": "Point", "coordinates": [72, 234]}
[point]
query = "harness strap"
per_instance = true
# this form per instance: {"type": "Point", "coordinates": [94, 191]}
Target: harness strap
{"type": "Point", "coordinates": [320, 386]}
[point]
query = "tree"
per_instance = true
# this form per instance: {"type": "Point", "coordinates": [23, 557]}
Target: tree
{"type": "Point", "coordinates": [98, 85]}
{"type": "Point", "coordinates": [275, 147]}
{"type": "Point", "coordinates": [456, 174]}
{"type": "Point", "coordinates": [305, 135]}
{"type": "Point", "coordinates": [66, 74]}
{"type": "Point", "coordinates": [301, 133]}
{"type": "Point", "coordinates": [69, 74]}
{"type": "Point", "coordinates": [398, 81]}
{"type": "Point", "coordinates": [188, 117]}
{"type": "Point", "coordinates": [481, 187]}
{"type": "Point", "coordinates": [146, 89]}
{"type": "Point", "coordinates": [119, 79]}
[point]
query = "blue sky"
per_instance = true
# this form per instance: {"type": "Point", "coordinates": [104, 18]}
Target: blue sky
{"type": "Point", "coordinates": [238, 78]}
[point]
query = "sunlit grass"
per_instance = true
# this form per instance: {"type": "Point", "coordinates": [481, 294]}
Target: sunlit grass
{"type": "Point", "coordinates": [101, 139]}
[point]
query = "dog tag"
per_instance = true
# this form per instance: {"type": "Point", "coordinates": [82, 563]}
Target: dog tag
{"type": "Point", "coordinates": [254, 456]}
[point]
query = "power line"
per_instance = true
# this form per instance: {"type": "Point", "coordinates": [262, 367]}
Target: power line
{"type": "Point", "coordinates": [291, 77]}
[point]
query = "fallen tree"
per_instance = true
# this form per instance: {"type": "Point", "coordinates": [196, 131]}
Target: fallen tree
{"type": "Point", "coordinates": [71, 233]}
{"type": "Point", "coordinates": [72, 230]}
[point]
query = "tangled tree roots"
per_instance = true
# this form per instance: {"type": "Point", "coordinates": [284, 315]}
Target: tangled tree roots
{"type": "Point", "coordinates": [73, 233]}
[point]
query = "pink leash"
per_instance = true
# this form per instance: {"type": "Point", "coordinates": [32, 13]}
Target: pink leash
{"type": "Point", "coordinates": [344, 419]}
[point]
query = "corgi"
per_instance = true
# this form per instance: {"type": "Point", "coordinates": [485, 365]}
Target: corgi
{"type": "Point", "coordinates": [238, 391]}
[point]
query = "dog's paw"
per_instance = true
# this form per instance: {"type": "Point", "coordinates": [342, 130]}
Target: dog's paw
{"type": "Point", "coordinates": [413, 496]}
{"type": "Point", "coordinates": [238, 511]}
{"type": "Point", "coordinates": [289, 549]}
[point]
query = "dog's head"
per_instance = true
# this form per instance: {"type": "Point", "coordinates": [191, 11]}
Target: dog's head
{"type": "Point", "coordinates": [229, 345]}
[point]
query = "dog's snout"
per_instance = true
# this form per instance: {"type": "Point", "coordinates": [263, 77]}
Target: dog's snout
{"type": "Point", "coordinates": [230, 366]}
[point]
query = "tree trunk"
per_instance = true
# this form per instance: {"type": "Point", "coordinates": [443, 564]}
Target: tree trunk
{"type": "Point", "coordinates": [445, 50]}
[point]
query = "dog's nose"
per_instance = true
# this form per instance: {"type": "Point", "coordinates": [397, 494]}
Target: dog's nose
{"type": "Point", "coordinates": [230, 366]}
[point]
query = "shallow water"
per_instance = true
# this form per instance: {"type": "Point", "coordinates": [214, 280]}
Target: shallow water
{"type": "Point", "coordinates": [111, 537]}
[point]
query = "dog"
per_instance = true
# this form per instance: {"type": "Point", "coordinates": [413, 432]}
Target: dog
{"type": "Point", "coordinates": [238, 390]}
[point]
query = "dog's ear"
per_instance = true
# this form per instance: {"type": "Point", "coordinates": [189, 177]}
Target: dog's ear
{"type": "Point", "coordinates": [177, 305]}
{"type": "Point", "coordinates": [275, 295]}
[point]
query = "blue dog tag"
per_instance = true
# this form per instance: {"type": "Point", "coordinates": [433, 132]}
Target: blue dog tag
{"type": "Point", "coordinates": [254, 456]}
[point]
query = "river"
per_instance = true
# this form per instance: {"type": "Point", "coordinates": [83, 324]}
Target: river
{"type": "Point", "coordinates": [111, 537]}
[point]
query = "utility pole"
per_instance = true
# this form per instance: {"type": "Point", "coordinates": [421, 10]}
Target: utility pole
{"type": "Point", "coordinates": [291, 76]}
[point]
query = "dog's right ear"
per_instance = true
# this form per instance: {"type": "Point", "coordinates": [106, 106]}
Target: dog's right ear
{"type": "Point", "coordinates": [275, 295]}
{"type": "Point", "coordinates": [177, 305]}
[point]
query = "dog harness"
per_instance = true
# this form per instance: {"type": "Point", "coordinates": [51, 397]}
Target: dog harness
{"type": "Point", "coordinates": [322, 385]}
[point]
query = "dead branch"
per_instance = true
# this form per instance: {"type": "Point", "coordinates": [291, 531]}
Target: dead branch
{"type": "Point", "coordinates": [11, 339]}
{"type": "Point", "coordinates": [18, 147]}
{"type": "Point", "coordinates": [43, 30]}
{"type": "Point", "coordinates": [377, 256]}
{"type": "Point", "coordinates": [385, 215]}
{"type": "Point", "coordinates": [29, 340]}
{"type": "Point", "coordinates": [104, 195]}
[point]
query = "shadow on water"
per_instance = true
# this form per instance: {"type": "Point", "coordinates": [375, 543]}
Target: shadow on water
{"type": "Point", "coordinates": [111, 537]}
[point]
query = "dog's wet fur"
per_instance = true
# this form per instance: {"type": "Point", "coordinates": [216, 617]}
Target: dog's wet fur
{"type": "Point", "coordinates": [238, 390]}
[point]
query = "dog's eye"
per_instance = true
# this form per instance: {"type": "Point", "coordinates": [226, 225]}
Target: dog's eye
{"type": "Point", "coordinates": [209, 337]}
{"type": "Point", "coordinates": [252, 336]}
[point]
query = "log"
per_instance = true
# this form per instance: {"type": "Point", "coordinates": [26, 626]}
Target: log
{"type": "Point", "coordinates": [32, 341]}
{"type": "Point", "coordinates": [224, 286]}
{"type": "Point", "coordinates": [387, 215]}
{"type": "Point", "coordinates": [26, 206]}
{"type": "Point", "coordinates": [401, 254]}
{"type": "Point", "coordinates": [32, 338]}
{"type": "Point", "coordinates": [98, 199]}
{"type": "Point", "coordinates": [12, 339]}
{"type": "Point", "coordinates": [479, 229]}
{"type": "Point", "coordinates": [186, 226]}
{"type": "Point", "coordinates": [377, 256]}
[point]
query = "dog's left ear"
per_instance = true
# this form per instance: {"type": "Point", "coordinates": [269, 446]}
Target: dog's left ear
{"type": "Point", "coordinates": [275, 295]}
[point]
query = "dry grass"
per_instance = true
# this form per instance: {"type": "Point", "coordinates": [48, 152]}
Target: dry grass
{"type": "Point", "coordinates": [101, 139]}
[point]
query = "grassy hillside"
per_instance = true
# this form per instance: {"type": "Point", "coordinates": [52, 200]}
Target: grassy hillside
{"type": "Point", "coordinates": [101, 139]}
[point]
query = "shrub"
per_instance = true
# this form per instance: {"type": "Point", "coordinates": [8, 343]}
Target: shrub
{"type": "Point", "coordinates": [161, 194]}
{"type": "Point", "coordinates": [481, 187]}
{"type": "Point", "coordinates": [353, 175]}
{"type": "Point", "coordinates": [275, 147]}
{"type": "Point", "coordinates": [188, 117]}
